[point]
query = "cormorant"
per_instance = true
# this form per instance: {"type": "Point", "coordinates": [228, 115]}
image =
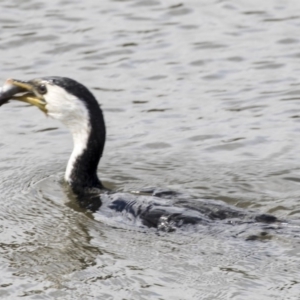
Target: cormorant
{"type": "Point", "coordinates": [75, 106]}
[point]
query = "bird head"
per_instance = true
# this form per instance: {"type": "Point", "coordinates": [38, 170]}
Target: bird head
{"type": "Point", "coordinates": [61, 98]}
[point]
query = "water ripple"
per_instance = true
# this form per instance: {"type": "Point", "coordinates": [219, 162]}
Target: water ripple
{"type": "Point", "coordinates": [200, 98]}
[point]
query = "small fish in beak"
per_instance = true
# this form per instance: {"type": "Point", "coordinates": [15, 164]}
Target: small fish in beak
{"type": "Point", "coordinates": [8, 91]}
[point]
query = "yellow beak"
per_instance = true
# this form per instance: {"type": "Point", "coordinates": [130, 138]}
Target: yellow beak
{"type": "Point", "coordinates": [32, 97]}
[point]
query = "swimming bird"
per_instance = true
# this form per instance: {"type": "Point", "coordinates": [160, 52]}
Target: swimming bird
{"type": "Point", "coordinates": [75, 106]}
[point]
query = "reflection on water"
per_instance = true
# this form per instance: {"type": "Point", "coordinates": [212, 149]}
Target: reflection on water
{"type": "Point", "coordinates": [199, 97]}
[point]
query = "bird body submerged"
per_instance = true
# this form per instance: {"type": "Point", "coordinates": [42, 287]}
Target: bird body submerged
{"type": "Point", "coordinates": [75, 106]}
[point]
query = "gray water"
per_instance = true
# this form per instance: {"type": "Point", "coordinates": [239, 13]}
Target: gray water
{"type": "Point", "coordinates": [200, 97]}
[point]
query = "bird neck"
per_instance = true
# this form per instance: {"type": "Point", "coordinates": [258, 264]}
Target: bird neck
{"type": "Point", "coordinates": [89, 140]}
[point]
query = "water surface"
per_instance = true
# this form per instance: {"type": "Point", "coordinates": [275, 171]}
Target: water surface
{"type": "Point", "coordinates": [200, 97]}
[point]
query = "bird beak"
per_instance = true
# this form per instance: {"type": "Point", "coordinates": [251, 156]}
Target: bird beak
{"type": "Point", "coordinates": [30, 95]}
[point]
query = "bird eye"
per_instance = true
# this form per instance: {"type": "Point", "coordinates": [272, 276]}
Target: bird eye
{"type": "Point", "coordinates": [42, 89]}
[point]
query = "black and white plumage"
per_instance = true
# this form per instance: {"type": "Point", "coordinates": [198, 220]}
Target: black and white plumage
{"type": "Point", "coordinates": [75, 106]}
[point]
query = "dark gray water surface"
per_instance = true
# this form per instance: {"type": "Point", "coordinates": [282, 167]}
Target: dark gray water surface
{"type": "Point", "coordinates": [200, 97]}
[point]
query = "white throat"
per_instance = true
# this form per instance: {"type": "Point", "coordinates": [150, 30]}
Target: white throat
{"type": "Point", "coordinates": [72, 112]}
{"type": "Point", "coordinates": [80, 140]}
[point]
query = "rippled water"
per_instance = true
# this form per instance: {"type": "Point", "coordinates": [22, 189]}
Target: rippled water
{"type": "Point", "coordinates": [200, 97]}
